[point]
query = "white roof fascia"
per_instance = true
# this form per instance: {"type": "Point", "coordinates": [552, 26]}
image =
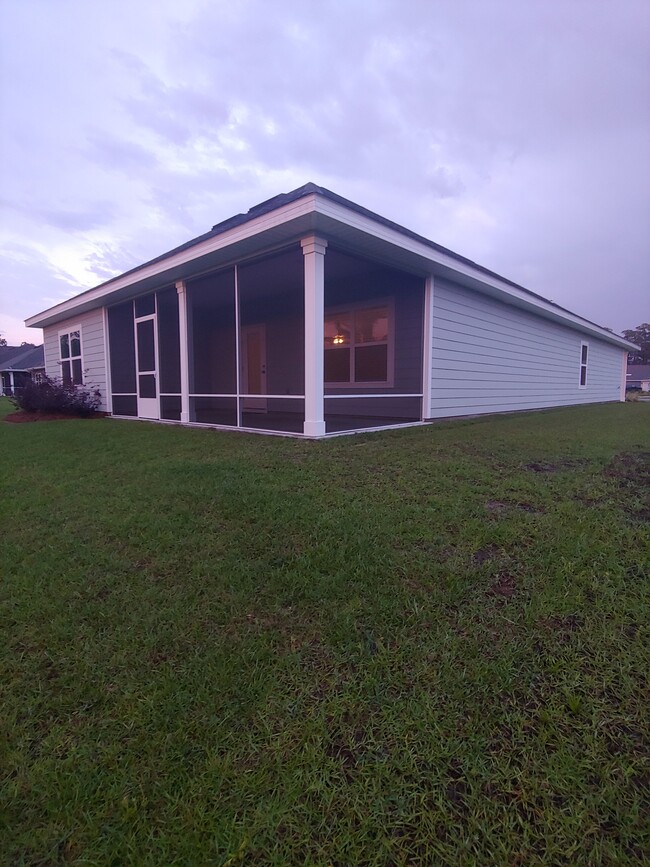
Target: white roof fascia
{"type": "Point", "coordinates": [275, 218]}
{"type": "Point", "coordinates": [338, 212]}
{"type": "Point", "coordinates": [319, 204]}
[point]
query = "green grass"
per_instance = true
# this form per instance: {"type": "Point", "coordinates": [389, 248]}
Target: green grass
{"type": "Point", "coordinates": [426, 646]}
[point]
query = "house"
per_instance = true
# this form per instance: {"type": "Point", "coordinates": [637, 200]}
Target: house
{"type": "Point", "coordinates": [18, 365]}
{"type": "Point", "coordinates": [311, 315]}
{"type": "Point", "coordinates": [638, 376]}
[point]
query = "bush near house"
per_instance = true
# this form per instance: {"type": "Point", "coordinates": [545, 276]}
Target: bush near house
{"type": "Point", "coordinates": [51, 395]}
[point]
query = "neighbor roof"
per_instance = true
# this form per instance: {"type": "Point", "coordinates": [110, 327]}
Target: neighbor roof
{"type": "Point", "coordinates": [638, 371]}
{"type": "Point", "coordinates": [97, 296]}
{"type": "Point", "coordinates": [21, 357]}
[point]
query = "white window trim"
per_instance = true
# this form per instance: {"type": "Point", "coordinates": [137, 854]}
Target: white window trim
{"type": "Point", "coordinates": [389, 303]}
{"type": "Point", "coordinates": [585, 365]}
{"type": "Point", "coordinates": [68, 330]}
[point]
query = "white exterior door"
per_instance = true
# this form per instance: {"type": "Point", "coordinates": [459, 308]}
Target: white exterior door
{"type": "Point", "coordinates": [253, 352]}
{"type": "Point", "coordinates": [146, 355]}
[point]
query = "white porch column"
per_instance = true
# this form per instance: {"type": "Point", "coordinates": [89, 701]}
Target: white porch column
{"type": "Point", "coordinates": [184, 352]}
{"type": "Point", "coordinates": [427, 348]}
{"type": "Point", "coordinates": [11, 381]}
{"type": "Point", "coordinates": [313, 249]}
{"type": "Point", "coordinates": [621, 395]}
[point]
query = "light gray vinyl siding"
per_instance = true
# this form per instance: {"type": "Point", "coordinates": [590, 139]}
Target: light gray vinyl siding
{"type": "Point", "coordinates": [488, 356]}
{"type": "Point", "coordinates": [92, 350]}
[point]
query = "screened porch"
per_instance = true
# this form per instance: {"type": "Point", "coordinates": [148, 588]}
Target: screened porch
{"type": "Point", "coordinates": [227, 348]}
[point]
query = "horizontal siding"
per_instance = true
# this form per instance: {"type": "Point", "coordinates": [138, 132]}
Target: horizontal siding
{"type": "Point", "coordinates": [92, 350]}
{"type": "Point", "coordinates": [488, 356]}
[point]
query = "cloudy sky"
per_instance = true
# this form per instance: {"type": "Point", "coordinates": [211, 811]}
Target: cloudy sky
{"type": "Point", "coordinates": [515, 132]}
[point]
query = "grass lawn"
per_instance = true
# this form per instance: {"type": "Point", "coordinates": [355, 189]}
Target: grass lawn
{"type": "Point", "coordinates": [426, 646]}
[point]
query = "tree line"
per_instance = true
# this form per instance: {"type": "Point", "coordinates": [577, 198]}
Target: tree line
{"type": "Point", "coordinates": [641, 336]}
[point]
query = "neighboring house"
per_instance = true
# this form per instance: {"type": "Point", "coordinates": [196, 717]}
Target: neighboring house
{"type": "Point", "coordinates": [18, 365]}
{"type": "Point", "coordinates": [638, 376]}
{"type": "Point", "coordinates": [312, 315]}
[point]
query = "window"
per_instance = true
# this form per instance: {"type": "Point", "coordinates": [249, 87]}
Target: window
{"type": "Point", "coordinates": [70, 355]}
{"type": "Point", "coordinates": [584, 352]}
{"type": "Point", "coordinates": [358, 343]}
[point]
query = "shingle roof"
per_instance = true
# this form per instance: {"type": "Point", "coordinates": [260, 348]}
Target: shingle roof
{"type": "Point", "coordinates": [21, 357]}
{"type": "Point", "coordinates": [279, 201]}
{"type": "Point", "coordinates": [310, 189]}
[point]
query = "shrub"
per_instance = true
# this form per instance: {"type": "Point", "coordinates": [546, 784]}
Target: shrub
{"type": "Point", "coordinates": [53, 395]}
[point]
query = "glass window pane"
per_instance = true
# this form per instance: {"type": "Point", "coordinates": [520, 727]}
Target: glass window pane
{"type": "Point", "coordinates": [75, 344]}
{"type": "Point", "coordinates": [65, 346]}
{"type": "Point", "coordinates": [371, 363]}
{"type": "Point", "coordinates": [584, 354]}
{"type": "Point", "coordinates": [583, 375]}
{"type": "Point", "coordinates": [338, 329]}
{"type": "Point", "coordinates": [77, 377]}
{"type": "Point", "coordinates": [371, 326]}
{"type": "Point", "coordinates": [337, 365]}
{"type": "Point", "coordinates": [66, 372]}
{"type": "Point", "coordinates": [145, 306]}
{"type": "Point", "coordinates": [146, 345]}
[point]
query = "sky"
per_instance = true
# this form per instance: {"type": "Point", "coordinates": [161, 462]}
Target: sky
{"type": "Point", "coordinates": [514, 132]}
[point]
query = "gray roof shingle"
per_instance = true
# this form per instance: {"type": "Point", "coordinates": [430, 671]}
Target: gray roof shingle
{"type": "Point", "coordinates": [21, 357]}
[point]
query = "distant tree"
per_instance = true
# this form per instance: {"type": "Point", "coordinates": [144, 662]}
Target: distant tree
{"type": "Point", "coordinates": [25, 343]}
{"type": "Point", "coordinates": [3, 341]}
{"type": "Point", "coordinates": [641, 336]}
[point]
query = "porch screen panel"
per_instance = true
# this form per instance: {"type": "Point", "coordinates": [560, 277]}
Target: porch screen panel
{"type": "Point", "coordinates": [271, 305]}
{"type": "Point", "coordinates": [170, 407]}
{"type": "Point", "coordinates": [125, 404]}
{"type": "Point", "coordinates": [356, 413]}
{"type": "Point", "coordinates": [211, 338]}
{"type": "Point", "coordinates": [373, 327]}
{"type": "Point", "coordinates": [214, 410]}
{"type": "Point", "coordinates": [169, 352]}
{"type": "Point", "coordinates": [121, 344]}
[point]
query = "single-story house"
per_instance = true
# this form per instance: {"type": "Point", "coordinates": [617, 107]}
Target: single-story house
{"type": "Point", "coordinates": [311, 315]}
{"type": "Point", "coordinates": [18, 365]}
{"type": "Point", "coordinates": [638, 376]}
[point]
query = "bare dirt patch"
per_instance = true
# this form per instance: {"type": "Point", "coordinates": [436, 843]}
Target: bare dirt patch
{"type": "Point", "coordinates": [631, 470]}
{"type": "Point", "coordinates": [496, 506]}
{"type": "Point", "coordinates": [547, 467]}
{"type": "Point", "coordinates": [528, 507]}
{"type": "Point", "coordinates": [562, 624]}
{"type": "Point", "coordinates": [542, 468]}
{"type": "Point", "coordinates": [505, 586]}
{"type": "Point", "coordinates": [484, 555]}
